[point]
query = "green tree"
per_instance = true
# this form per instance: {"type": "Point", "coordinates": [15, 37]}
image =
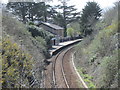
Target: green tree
{"type": "Point", "coordinates": [44, 11]}
{"type": "Point", "coordinates": [31, 10]}
{"type": "Point", "coordinates": [58, 19]}
{"type": "Point", "coordinates": [70, 32]}
{"type": "Point", "coordinates": [19, 8]}
{"type": "Point", "coordinates": [90, 15]}
{"type": "Point", "coordinates": [109, 13]}
{"type": "Point", "coordinates": [68, 15]}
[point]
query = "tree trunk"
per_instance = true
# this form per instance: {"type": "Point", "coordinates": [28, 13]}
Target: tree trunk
{"type": "Point", "coordinates": [23, 14]}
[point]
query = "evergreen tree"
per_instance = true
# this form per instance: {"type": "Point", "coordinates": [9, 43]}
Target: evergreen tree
{"type": "Point", "coordinates": [31, 10]}
{"type": "Point", "coordinates": [19, 8]}
{"type": "Point", "coordinates": [68, 15]}
{"type": "Point", "coordinates": [90, 14]}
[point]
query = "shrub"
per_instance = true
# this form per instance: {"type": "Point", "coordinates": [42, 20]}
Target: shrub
{"type": "Point", "coordinates": [16, 65]}
{"type": "Point", "coordinates": [98, 56]}
{"type": "Point", "coordinates": [87, 78]}
{"type": "Point", "coordinates": [31, 23]}
{"type": "Point", "coordinates": [35, 31]}
{"type": "Point", "coordinates": [110, 70]}
{"type": "Point", "coordinates": [19, 34]}
{"type": "Point", "coordinates": [70, 32]}
{"type": "Point", "coordinates": [41, 41]}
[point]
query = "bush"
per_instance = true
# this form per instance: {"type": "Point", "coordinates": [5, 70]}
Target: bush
{"type": "Point", "coordinates": [110, 70]}
{"type": "Point", "coordinates": [16, 65]}
{"type": "Point", "coordinates": [35, 31]}
{"type": "Point", "coordinates": [44, 46]}
{"type": "Point", "coordinates": [31, 23]}
{"type": "Point", "coordinates": [41, 41]}
{"type": "Point", "coordinates": [70, 32]}
{"type": "Point", "coordinates": [98, 56]}
{"type": "Point", "coordinates": [19, 34]}
{"type": "Point", "coordinates": [87, 78]}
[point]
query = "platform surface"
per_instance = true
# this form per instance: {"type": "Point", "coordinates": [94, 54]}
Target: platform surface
{"type": "Point", "coordinates": [62, 44]}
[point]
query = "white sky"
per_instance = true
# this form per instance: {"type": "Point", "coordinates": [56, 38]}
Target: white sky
{"type": "Point", "coordinates": [79, 4]}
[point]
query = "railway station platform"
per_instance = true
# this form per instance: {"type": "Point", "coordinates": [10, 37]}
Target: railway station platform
{"type": "Point", "coordinates": [62, 44]}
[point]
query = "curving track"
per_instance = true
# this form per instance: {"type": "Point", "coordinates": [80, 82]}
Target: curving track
{"type": "Point", "coordinates": [63, 75]}
{"type": "Point", "coordinates": [61, 80]}
{"type": "Point", "coordinates": [61, 72]}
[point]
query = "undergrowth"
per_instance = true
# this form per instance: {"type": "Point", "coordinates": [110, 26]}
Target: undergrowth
{"type": "Point", "coordinates": [87, 78]}
{"type": "Point", "coordinates": [16, 65]}
{"type": "Point", "coordinates": [98, 56]}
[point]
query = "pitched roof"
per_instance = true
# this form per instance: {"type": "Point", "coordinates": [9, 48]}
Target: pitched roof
{"type": "Point", "coordinates": [52, 26]}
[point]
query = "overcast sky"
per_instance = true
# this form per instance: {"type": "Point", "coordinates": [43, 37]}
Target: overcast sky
{"type": "Point", "coordinates": [79, 4]}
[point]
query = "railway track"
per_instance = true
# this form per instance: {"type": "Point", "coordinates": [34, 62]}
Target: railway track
{"type": "Point", "coordinates": [54, 72]}
{"type": "Point", "coordinates": [60, 73]}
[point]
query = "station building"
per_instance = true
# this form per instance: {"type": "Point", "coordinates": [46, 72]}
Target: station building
{"type": "Point", "coordinates": [54, 29]}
